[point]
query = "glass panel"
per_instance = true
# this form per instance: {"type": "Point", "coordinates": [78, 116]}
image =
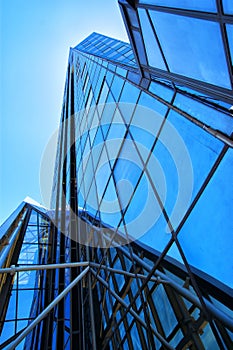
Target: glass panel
{"type": "Point", "coordinates": [103, 173]}
{"type": "Point", "coordinates": [209, 5]}
{"type": "Point", "coordinates": [164, 310]}
{"type": "Point", "coordinates": [207, 115]}
{"type": "Point", "coordinates": [161, 90]}
{"type": "Point", "coordinates": [154, 55]}
{"type": "Point", "coordinates": [121, 71]}
{"type": "Point", "coordinates": [156, 237]}
{"type": "Point", "coordinates": [25, 303]}
{"type": "Point", "coordinates": [186, 156]}
{"type": "Point", "coordinates": [92, 201]}
{"type": "Point", "coordinates": [192, 41]}
{"type": "Point", "coordinates": [209, 339]}
{"type": "Point", "coordinates": [88, 175]}
{"type": "Point", "coordinates": [8, 331]}
{"type": "Point", "coordinates": [150, 102]}
{"type": "Point", "coordinates": [130, 93]}
{"type": "Point", "coordinates": [116, 87]}
{"type": "Point", "coordinates": [210, 224]}
{"type": "Point", "coordinates": [110, 210]}
{"type": "Point", "coordinates": [143, 217]}
{"type": "Point", "coordinates": [104, 93]}
{"type": "Point", "coordinates": [230, 38]}
{"type": "Point", "coordinates": [227, 6]}
{"type": "Point", "coordinates": [28, 254]}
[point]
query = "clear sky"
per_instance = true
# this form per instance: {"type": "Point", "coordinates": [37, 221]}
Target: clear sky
{"type": "Point", "coordinates": [35, 40]}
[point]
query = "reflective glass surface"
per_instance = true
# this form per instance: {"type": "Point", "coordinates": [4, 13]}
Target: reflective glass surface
{"type": "Point", "coordinates": [209, 6]}
{"type": "Point", "coordinates": [209, 116]}
{"type": "Point", "coordinates": [227, 6]}
{"type": "Point", "coordinates": [230, 38]}
{"type": "Point", "coordinates": [152, 49]}
{"type": "Point", "coordinates": [192, 42]}
{"type": "Point", "coordinates": [206, 236]}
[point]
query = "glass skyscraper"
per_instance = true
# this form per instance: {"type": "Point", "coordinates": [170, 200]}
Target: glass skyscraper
{"type": "Point", "coordinates": [136, 249]}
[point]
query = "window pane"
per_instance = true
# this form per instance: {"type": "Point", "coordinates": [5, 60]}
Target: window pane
{"type": "Point", "coordinates": [154, 55]}
{"type": "Point", "coordinates": [192, 42]}
{"type": "Point", "coordinates": [184, 164]}
{"type": "Point", "coordinates": [210, 225]}
{"type": "Point", "coordinates": [227, 6]}
{"type": "Point", "coordinates": [230, 39]}
{"type": "Point", "coordinates": [207, 115]}
{"type": "Point", "coordinates": [185, 4]}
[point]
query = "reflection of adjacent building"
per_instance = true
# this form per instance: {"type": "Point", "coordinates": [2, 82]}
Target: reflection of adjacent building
{"type": "Point", "coordinates": [122, 263]}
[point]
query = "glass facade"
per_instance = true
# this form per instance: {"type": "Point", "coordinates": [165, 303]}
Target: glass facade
{"type": "Point", "coordinates": [135, 251]}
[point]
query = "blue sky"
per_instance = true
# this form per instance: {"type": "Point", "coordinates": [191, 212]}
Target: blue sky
{"type": "Point", "coordinates": [35, 40]}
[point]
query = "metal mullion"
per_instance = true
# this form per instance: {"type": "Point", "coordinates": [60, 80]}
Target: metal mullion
{"type": "Point", "coordinates": [131, 29]}
{"type": "Point", "coordinates": [32, 243]}
{"type": "Point", "coordinates": [209, 16]}
{"type": "Point", "coordinates": [19, 319]}
{"type": "Point", "coordinates": [213, 91]}
{"type": "Point", "coordinates": [28, 289]}
{"type": "Point", "coordinates": [17, 301]}
{"type": "Point", "coordinates": [60, 321]}
{"type": "Point", "coordinates": [127, 23]}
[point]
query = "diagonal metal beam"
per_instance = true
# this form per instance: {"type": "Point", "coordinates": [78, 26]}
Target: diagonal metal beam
{"type": "Point", "coordinates": [129, 274]}
{"type": "Point", "coordinates": [132, 312]}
